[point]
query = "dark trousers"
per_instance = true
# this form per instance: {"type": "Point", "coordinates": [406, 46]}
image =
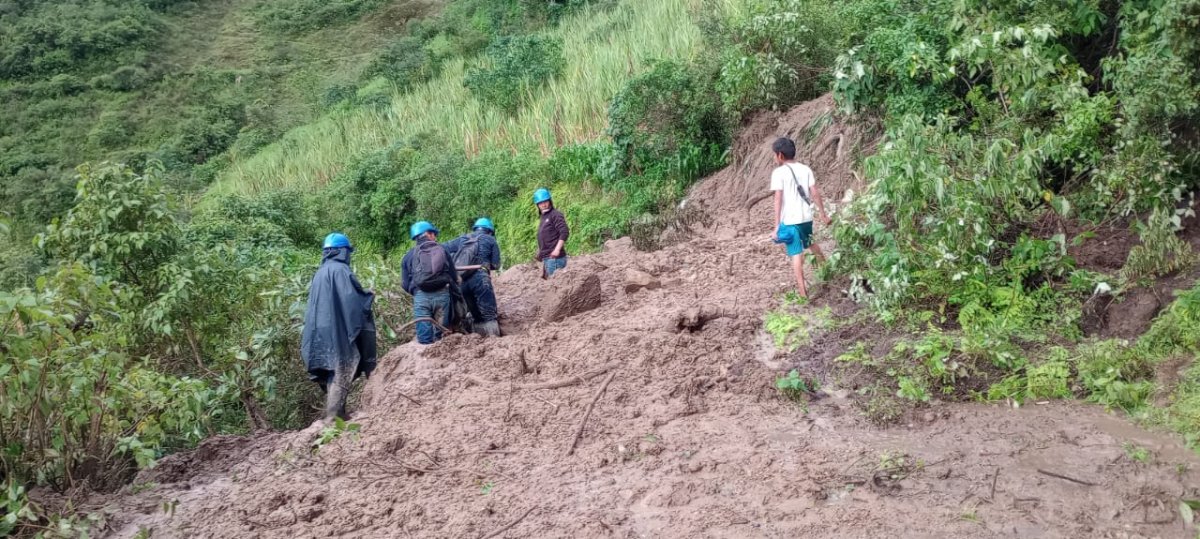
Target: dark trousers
{"type": "Point", "coordinates": [481, 298]}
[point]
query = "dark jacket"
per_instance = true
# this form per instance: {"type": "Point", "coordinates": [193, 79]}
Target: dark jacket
{"type": "Point", "coordinates": [338, 318]}
{"type": "Point", "coordinates": [551, 228]}
{"type": "Point", "coordinates": [406, 270]}
{"type": "Point", "coordinates": [487, 251]}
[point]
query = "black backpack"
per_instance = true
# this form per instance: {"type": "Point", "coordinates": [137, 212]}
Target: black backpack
{"type": "Point", "coordinates": [467, 252]}
{"type": "Point", "coordinates": [429, 267]}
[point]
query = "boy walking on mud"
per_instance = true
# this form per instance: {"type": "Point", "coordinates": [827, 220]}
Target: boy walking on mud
{"type": "Point", "coordinates": [795, 195]}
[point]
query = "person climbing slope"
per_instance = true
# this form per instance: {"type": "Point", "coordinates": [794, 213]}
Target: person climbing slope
{"type": "Point", "coordinates": [338, 339]}
{"type": "Point", "coordinates": [552, 234]}
{"type": "Point", "coordinates": [795, 195]}
{"type": "Point", "coordinates": [427, 273]}
{"type": "Point", "coordinates": [478, 248]}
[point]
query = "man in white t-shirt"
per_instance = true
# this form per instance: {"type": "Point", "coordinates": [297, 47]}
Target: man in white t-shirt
{"type": "Point", "coordinates": [795, 195]}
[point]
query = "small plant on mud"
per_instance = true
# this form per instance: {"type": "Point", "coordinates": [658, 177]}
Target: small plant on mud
{"type": "Point", "coordinates": [896, 466]}
{"type": "Point", "coordinates": [912, 389]}
{"type": "Point", "coordinates": [790, 331]}
{"type": "Point", "coordinates": [1136, 453]}
{"type": "Point", "coordinates": [792, 297]}
{"type": "Point", "coordinates": [794, 387]}
{"type": "Point", "coordinates": [335, 431]}
{"type": "Point", "coordinates": [1187, 511]}
{"type": "Point", "coordinates": [487, 487]}
{"type": "Point", "coordinates": [880, 405]}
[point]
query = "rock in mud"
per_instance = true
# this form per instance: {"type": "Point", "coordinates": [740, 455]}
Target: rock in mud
{"type": "Point", "coordinates": [637, 279]}
{"type": "Point", "coordinates": [571, 294]}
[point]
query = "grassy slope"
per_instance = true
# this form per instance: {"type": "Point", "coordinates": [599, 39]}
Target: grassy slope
{"type": "Point", "coordinates": [603, 50]}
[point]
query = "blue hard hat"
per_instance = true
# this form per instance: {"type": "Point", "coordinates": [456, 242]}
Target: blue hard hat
{"type": "Point", "coordinates": [335, 240]}
{"type": "Point", "coordinates": [421, 227]}
{"type": "Point", "coordinates": [484, 222]}
{"type": "Point", "coordinates": [541, 195]}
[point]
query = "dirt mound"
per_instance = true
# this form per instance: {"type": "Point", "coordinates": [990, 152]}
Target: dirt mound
{"type": "Point", "coordinates": [666, 396]}
{"type": "Point", "coordinates": [570, 293]}
{"type": "Point", "coordinates": [825, 143]}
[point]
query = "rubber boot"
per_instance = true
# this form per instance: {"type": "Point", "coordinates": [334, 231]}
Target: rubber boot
{"type": "Point", "coordinates": [339, 388]}
{"type": "Point", "coordinates": [488, 329]}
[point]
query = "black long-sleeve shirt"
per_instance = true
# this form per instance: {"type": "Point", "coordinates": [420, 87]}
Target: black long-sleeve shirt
{"type": "Point", "coordinates": [551, 228]}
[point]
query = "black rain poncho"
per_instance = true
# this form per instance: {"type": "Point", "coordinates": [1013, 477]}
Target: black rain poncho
{"type": "Point", "coordinates": [338, 320]}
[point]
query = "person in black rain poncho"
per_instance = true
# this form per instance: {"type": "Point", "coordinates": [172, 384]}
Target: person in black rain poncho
{"type": "Point", "coordinates": [338, 342]}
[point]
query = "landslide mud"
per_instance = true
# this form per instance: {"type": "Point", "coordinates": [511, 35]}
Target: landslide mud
{"type": "Point", "coordinates": [470, 437]}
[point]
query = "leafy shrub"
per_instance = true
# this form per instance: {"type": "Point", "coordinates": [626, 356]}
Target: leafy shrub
{"type": "Point", "coordinates": [405, 62]}
{"type": "Point", "coordinates": [123, 226]}
{"type": "Point", "coordinates": [781, 52]}
{"type": "Point", "coordinates": [514, 67]}
{"type": "Point", "coordinates": [1161, 251]}
{"type": "Point", "coordinates": [663, 115]}
{"type": "Point", "coordinates": [291, 16]}
{"type": "Point", "coordinates": [122, 79]}
{"type": "Point", "coordinates": [57, 37]}
{"type": "Point", "coordinates": [278, 219]}
{"type": "Point", "coordinates": [77, 406]}
{"type": "Point", "coordinates": [208, 134]}
{"type": "Point", "coordinates": [1115, 375]}
{"type": "Point", "coordinates": [110, 130]}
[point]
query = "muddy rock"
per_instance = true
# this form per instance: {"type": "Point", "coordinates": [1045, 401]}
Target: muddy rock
{"type": "Point", "coordinates": [636, 279]}
{"type": "Point", "coordinates": [570, 294]}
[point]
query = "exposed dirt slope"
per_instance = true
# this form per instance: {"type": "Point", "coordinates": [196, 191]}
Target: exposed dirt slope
{"type": "Point", "coordinates": [686, 438]}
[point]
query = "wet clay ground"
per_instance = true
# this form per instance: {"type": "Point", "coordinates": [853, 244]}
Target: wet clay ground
{"type": "Point", "coordinates": [664, 355]}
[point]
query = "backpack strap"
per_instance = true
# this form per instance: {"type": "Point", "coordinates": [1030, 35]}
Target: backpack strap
{"type": "Point", "coordinates": [799, 188]}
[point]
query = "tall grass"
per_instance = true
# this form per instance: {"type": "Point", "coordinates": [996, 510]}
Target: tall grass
{"type": "Point", "coordinates": [603, 48]}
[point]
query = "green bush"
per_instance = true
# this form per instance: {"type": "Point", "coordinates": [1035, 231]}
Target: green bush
{"type": "Point", "coordinates": [405, 62]}
{"type": "Point", "coordinates": [1116, 375]}
{"type": "Point", "coordinates": [780, 52]}
{"type": "Point", "coordinates": [278, 219]}
{"type": "Point", "coordinates": [514, 67]}
{"type": "Point", "coordinates": [78, 408]}
{"type": "Point", "coordinates": [208, 134]}
{"type": "Point", "coordinates": [663, 116]}
{"type": "Point", "coordinates": [47, 38]}
{"type": "Point", "coordinates": [291, 16]}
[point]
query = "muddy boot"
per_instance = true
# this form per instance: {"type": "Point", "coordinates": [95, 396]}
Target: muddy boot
{"type": "Point", "coordinates": [488, 329]}
{"type": "Point", "coordinates": [339, 389]}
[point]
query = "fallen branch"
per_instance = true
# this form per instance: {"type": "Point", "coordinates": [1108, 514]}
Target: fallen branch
{"type": "Point", "coordinates": [510, 525]}
{"type": "Point", "coordinates": [555, 405]}
{"type": "Point", "coordinates": [588, 413]}
{"type": "Point", "coordinates": [1063, 477]}
{"type": "Point", "coordinates": [423, 319]}
{"type": "Point", "coordinates": [758, 198]}
{"type": "Point", "coordinates": [414, 401]}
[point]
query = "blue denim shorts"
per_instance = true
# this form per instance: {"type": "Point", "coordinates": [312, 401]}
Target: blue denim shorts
{"type": "Point", "coordinates": [801, 238]}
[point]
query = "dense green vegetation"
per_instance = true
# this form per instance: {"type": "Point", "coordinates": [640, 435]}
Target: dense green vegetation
{"type": "Point", "coordinates": [1004, 124]}
{"type": "Point", "coordinates": [156, 301]}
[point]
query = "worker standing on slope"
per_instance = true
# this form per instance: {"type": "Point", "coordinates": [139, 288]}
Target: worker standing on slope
{"type": "Point", "coordinates": [478, 251]}
{"type": "Point", "coordinates": [338, 340]}
{"type": "Point", "coordinates": [552, 234]}
{"type": "Point", "coordinates": [427, 273]}
{"type": "Point", "coordinates": [795, 195]}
